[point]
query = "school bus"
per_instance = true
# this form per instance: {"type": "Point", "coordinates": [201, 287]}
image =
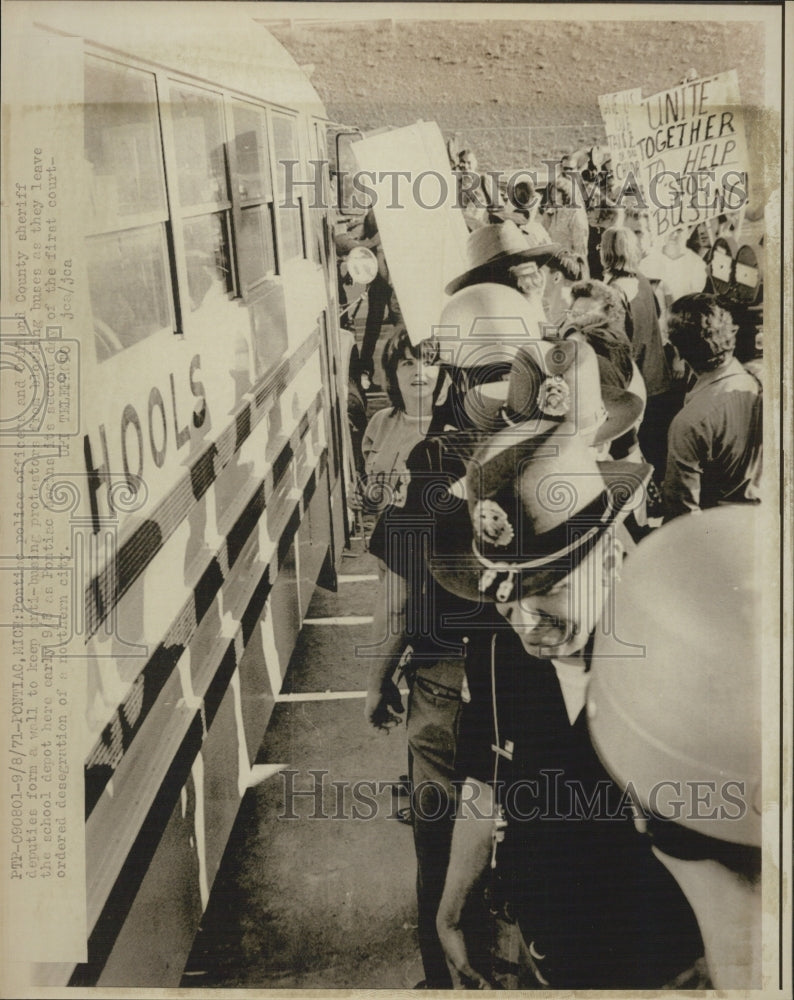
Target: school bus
{"type": "Point", "coordinates": [198, 493]}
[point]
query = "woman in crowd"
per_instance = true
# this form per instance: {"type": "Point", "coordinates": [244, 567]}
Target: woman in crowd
{"type": "Point", "coordinates": [417, 389]}
{"type": "Point", "coordinates": [598, 315]}
{"type": "Point", "coordinates": [620, 258]}
{"type": "Point", "coordinates": [563, 270]}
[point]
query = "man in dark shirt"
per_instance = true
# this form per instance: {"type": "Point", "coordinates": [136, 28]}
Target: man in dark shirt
{"type": "Point", "coordinates": [539, 543]}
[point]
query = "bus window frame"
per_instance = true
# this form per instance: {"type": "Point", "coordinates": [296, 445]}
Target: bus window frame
{"type": "Point", "coordinates": [240, 204]}
{"type": "Point", "coordinates": [342, 208]}
{"type": "Point", "coordinates": [298, 155]}
{"type": "Point", "coordinates": [180, 214]}
{"type": "Point", "coordinates": [230, 209]}
{"type": "Point", "coordinates": [115, 225]}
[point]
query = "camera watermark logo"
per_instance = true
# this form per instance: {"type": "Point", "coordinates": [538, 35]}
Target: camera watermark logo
{"type": "Point", "coordinates": [40, 380]}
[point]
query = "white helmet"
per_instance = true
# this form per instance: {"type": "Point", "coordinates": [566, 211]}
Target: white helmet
{"type": "Point", "coordinates": [674, 703]}
{"type": "Point", "coordinates": [486, 324]}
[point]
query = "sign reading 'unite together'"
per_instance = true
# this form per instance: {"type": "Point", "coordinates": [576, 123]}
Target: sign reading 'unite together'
{"type": "Point", "coordinates": [685, 148]}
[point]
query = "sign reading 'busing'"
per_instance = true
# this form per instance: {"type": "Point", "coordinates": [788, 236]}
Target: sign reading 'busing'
{"type": "Point", "coordinates": [686, 149]}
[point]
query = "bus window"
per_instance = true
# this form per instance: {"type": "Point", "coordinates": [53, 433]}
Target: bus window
{"type": "Point", "coordinates": [207, 258]}
{"type": "Point", "coordinates": [254, 190]}
{"type": "Point", "coordinates": [127, 247]}
{"type": "Point", "coordinates": [197, 119]}
{"type": "Point", "coordinates": [202, 216]}
{"type": "Point", "coordinates": [285, 147]}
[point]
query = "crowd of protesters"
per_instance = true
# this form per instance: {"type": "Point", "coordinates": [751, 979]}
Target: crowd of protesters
{"type": "Point", "coordinates": [600, 385]}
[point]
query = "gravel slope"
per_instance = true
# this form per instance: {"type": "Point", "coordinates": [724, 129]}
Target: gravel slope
{"type": "Point", "coordinates": [492, 80]}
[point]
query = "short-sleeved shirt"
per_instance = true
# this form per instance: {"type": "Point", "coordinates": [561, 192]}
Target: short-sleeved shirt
{"type": "Point", "coordinates": [388, 441]}
{"type": "Point", "coordinates": [405, 535]}
{"type": "Point", "coordinates": [714, 443]}
{"type": "Point", "coordinates": [683, 275]}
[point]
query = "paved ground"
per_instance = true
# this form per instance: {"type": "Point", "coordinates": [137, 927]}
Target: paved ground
{"type": "Point", "coordinates": [322, 899]}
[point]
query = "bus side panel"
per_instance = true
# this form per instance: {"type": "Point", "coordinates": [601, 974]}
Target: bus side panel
{"type": "Point", "coordinates": [161, 924]}
{"type": "Point", "coordinates": [208, 467]}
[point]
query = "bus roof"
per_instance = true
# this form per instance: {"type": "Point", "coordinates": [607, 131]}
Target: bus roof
{"type": "Point", "coordinates": [214, 42]}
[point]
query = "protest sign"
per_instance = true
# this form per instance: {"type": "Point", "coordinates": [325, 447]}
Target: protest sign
{"type": "Point", "coordinates": [422, 232]}
{"type": "Point", "coordinates": [692, 152]}
{"type": "Point", "coordinates": [615, 110]}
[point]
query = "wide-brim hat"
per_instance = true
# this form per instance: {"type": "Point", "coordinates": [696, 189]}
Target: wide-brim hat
{"type": "Point", "coordinates": [530, 509]}
{"type": "Point", "coordinates": [555, 381]}
{"type": "Point", "coordinates": [493, 249]}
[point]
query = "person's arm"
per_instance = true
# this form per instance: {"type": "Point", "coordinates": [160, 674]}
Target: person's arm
{"type": "Point", "coordinates": [469, 858]}
{"type": "Point", "coordinates": [383, 707]}
{"type": "Point", "coordinates": [365, 496]}
{"type": "Point", "coordinates": [683, 471]}
{"type": "Point", "coordinates": [373, 434]}
{"type": "Point", "coordinates": [344, 243]}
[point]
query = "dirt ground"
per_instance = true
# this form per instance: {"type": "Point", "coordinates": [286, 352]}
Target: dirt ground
{"type": "Point", "coordinates": [492, 81]}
